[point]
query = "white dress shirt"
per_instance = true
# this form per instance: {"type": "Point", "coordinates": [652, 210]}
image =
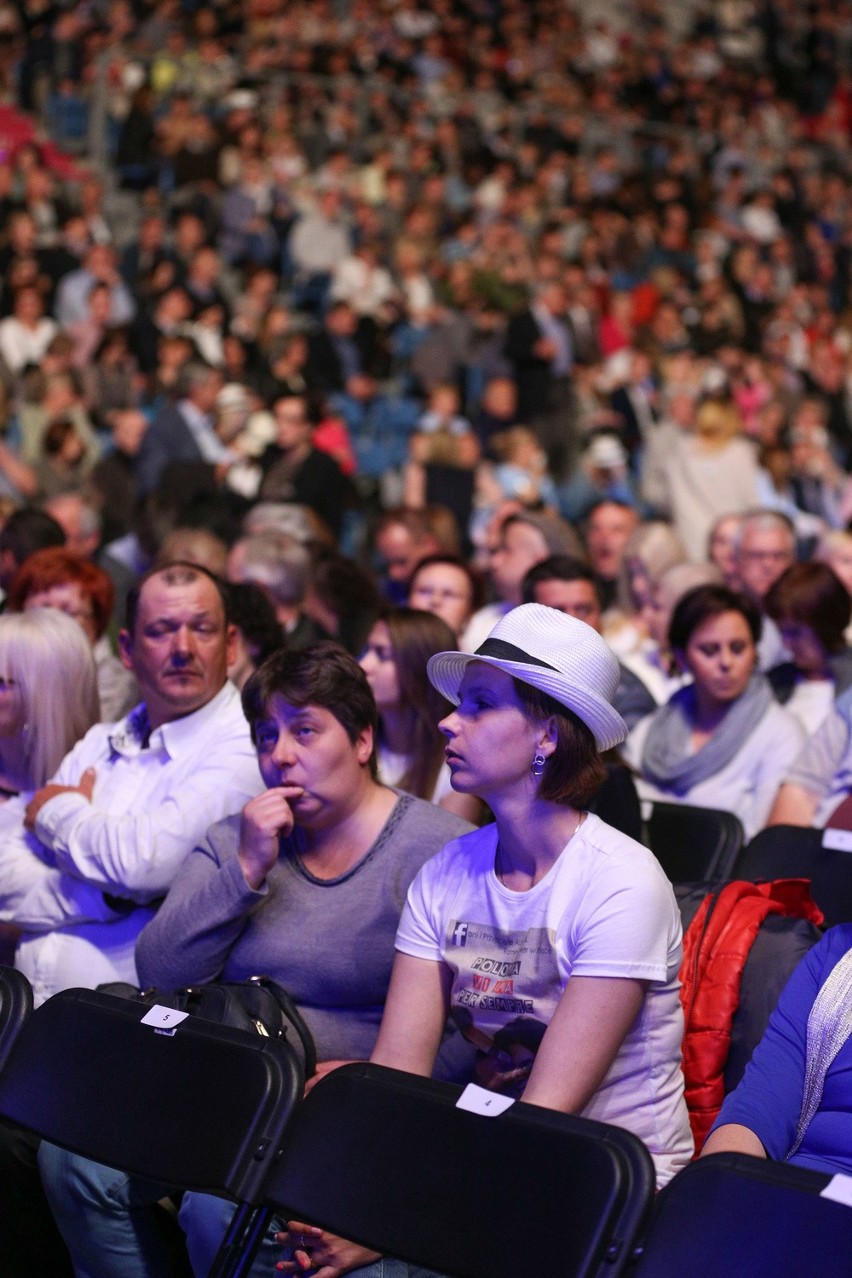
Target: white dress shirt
{"type": "Point", "coordinates": [83, 885]}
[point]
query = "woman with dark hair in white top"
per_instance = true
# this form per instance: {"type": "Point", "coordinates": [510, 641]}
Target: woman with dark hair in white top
{"type": "Point", "coordinates": [552, 941]}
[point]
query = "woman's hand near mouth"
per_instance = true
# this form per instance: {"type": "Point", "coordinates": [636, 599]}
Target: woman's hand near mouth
{"type": "Point", "coordinates": [265, 819]}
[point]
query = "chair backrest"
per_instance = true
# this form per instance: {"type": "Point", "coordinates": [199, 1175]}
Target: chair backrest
{"type": "Point", "coordinates": [791, 851]}
{"type": "Point", "coordinates": [617, 802]}
{"type": "Point", "coordinates": [391, 1161]}
{"type": "Point", "coordinates": [198, 1106]}
{"type": "Point", "coordinates": [732, 1214]}
{"type": "Point", "coordinates": [694, 843]}
{"type": "Point", "coordinates": [16, 1003]}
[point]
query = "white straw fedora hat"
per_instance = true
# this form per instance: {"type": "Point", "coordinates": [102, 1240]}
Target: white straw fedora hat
{"type": "Point", "coordinates": [557, 654]}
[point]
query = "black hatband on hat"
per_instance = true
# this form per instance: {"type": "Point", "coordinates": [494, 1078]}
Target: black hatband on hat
{"type": "Point", "coordinates": [504, 651]}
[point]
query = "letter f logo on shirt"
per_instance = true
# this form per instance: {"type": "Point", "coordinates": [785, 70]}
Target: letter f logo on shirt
{"type": "Point", "coordinates": [459, 936]}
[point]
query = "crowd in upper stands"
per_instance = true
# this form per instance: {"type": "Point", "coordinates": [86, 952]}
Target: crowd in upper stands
{"type": "Point", "coordinates": [504, 251]}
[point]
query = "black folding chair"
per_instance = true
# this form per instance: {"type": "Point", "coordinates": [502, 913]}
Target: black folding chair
{"type": "Point", "coordinates": [617, 802]}
{"type": "Point", "coordinates": [693, 843]}
{"type": "Point", "coordinates": [389, 1160]}
{"type": "Point", "coordinates": [16, 1003]}
{"type": "Point", "coordinates": [791, 851]}
{"type": "Point", "coordinates": [733, 1214]}
{"type": "Point", "coordinates": [193, 1105]}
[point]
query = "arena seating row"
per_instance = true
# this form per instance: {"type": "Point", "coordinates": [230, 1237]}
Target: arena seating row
{"type": "Point", "coordinates": [405, 1165]}
{"type": "Point", "coordinates": [705, 845]}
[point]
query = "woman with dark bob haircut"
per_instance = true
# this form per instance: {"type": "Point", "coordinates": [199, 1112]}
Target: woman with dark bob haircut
{"type": "Point", "coordinates": [811, 606]}
{"type": "Point", "coordinates": [321, 675]}
{"type": "Point", "coordinates": [547, 913]}
{"type": "Point", "coordinates": [306, 885]}
{"type": "Point", "coordinates": [722, 741]}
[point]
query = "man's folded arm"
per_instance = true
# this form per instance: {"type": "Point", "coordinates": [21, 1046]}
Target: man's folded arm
{"type": "Point", "coordinates": [40, 898]}
{"type": "Point", "coordinates": [137, 855]}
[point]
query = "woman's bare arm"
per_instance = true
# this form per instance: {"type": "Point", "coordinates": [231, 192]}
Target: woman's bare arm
{"type": "Point", "coordinates": [588, 1027]}
{"type": "Point", "coordinates": [735, 1139]}
{"type": "Point", "coordinates": [415, 1015]}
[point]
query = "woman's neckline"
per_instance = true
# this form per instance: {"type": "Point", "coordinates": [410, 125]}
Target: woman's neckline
{"type": "Point", "coordinates": [523, 891]}
{"type": "Point", "coordinates": [300, 848]}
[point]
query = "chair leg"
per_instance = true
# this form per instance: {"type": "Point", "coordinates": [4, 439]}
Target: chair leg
{"type": "Point", "coordinates": [241, 1242]}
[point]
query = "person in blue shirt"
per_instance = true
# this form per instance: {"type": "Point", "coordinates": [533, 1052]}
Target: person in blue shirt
{"type": "Point", "coordinates": [788, 1107]}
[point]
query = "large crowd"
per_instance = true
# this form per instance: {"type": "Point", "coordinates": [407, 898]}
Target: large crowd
{"type": "Point", "coordinates": [375, 358]}
{"type": "Point", "coordinates": [489, 239]}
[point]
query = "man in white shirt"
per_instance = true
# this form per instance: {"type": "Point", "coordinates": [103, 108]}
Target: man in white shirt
{"type": "Point", "coordinates": [85, 860]}
{"type": "Point", "coordinates": [99, 267]}
{"type": "Point", "coordinates": [319, 241]}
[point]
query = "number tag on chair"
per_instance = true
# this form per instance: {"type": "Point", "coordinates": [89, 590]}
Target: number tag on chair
{"type": "Point", "coordinates": [478, 1100]}
{"type": "Point", "coordinates": [837, 840]}
{"type": "Point", "coordinates": [164, 1019]}
{"type": "Point", "coordinates": [839, 1190]}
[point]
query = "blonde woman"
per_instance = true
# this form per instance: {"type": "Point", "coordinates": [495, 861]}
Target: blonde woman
{"type": "Point", "coordinates": [709, 471]}
{"type": "Point", "coordinates": [48, 695]}
{"type": "Point", "coordinates": [48, 701]}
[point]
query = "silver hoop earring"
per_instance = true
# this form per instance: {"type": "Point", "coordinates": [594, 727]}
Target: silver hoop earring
{"type": "Point", "coordinates": [537, 765]}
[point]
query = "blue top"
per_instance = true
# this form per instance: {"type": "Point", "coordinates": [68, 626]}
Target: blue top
{"type": "Point", "coordinates": [769, 1097]}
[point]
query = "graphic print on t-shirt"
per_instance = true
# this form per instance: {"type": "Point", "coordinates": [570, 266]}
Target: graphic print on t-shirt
{"type": "Point", "coordinates": [505, 989]}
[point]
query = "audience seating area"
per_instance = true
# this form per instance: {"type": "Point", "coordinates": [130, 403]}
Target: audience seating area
{"type": "Point", "coordinates": [706, 846]}
{"type": "Point", "coordinates": [693, 843]}
{"type": "Point", "coordinates": [470, 1204]}
{"type": "Point", "coordinates": [145, 1087]}
{"type": "Point", "coordinates": [729, 1213]}
{"type": "Point", "coordinates": [823, 856]}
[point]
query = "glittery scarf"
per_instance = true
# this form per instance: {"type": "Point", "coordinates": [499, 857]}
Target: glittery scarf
{"type": "Point", "coordinates": [829, 1026]}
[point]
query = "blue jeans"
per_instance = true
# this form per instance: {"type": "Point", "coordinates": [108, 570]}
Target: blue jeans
{"type": "Point", "coordinates": [107, 1220]}
{"type": "Point", "coordinates": [106, 1217]}
{"type": "Point", "coordinates": [204, 1220]}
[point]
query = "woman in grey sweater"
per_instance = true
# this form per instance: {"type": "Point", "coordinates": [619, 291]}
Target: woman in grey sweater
{"type": "Point", "coordinates": [306, 886]}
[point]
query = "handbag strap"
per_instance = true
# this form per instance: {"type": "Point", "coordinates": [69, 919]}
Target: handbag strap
{"type": "Point", "coordinates": [292, 1014]}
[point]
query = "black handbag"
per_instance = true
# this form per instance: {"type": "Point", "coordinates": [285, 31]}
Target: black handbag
{"type": "Point", "coordinates": [258, 1004]}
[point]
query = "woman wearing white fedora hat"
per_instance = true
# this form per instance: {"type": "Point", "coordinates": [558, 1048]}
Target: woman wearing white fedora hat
{"type": "Point", "coordinates": [550, 940]}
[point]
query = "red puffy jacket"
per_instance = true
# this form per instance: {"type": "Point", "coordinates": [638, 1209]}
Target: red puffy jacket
{"type": "Point", "coordinates": [716, 946]}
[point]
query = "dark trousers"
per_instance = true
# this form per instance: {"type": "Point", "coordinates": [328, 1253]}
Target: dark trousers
{"type": "Point", "coordinates": [555, 428]}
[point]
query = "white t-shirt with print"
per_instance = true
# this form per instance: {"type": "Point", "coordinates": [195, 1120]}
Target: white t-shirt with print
{"type": "Point", "coordinates": [604, 909]}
